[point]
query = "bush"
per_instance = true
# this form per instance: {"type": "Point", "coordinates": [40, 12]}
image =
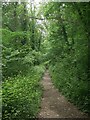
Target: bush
{"type": "Point", "coordinates": [15, 48]}
{"type": "Point", "coordinates": [66, 80]}
{"type": "Point", "coordinates": [21, 95]}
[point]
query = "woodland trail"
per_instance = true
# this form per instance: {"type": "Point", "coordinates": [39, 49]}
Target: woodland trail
{"type": "Point", "coordinates": [54, 104]}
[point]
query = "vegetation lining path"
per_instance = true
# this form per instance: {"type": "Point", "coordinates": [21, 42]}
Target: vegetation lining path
{"type": "Point", "coordinates": [55, 105]}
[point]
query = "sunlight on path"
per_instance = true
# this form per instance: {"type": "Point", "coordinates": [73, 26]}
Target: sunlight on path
{"type": "Point", "coordinates": [54, 105]}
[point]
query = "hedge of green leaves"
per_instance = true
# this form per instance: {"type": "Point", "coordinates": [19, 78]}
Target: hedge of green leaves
{"type": "Point", "coordinates": [21, 95]}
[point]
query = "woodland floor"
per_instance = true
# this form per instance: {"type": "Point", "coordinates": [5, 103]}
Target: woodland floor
{"type": "Point", "coordinates": [54, 104]}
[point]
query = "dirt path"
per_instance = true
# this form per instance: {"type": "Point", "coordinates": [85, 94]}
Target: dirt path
{"type": "Point", "coordinates": [54, 105]}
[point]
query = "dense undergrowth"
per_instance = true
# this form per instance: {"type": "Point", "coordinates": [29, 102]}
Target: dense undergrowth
{"type": "Point", "coordinates": [22, 95]}
{"type": "Point", "coordinates": [74, 89]}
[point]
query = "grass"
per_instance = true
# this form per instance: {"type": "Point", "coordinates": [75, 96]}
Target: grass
{"type": "Point", "coordinates": [22, 95]}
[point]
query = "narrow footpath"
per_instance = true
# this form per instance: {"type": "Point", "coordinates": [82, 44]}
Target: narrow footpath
{"type": "Point", "coordinates": [54, 104]}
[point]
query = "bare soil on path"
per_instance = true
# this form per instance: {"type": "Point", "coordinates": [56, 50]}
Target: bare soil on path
{"type": "Point", "coordinates": [54, 104]}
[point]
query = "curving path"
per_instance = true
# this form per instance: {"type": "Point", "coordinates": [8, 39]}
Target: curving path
{"type": "Point", "coordinates": [54, 104]}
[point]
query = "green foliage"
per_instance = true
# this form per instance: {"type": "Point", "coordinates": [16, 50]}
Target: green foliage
{"type": "Point", "coordinates": [21, 53]}
{"type": "Point", "coordinates": [25, 44]}
{"type": "Point", "coordinates": [68, 53]}
{"type": "Point", "coordinates": [6, 36]}
{"type": "Point", "coordinates": [20, 39]}
{"type": "Point", "coordinates": [21, 95]}
{"type": "Point", "coordinates": [15, 39]}
{"type": "Point", "coordinates": [66, 80]}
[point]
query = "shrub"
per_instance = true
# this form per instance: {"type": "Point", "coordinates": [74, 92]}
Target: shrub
{"type": "Point", "coordinates": [66, 80]}
{"type": "Point", "coordinates": [21, 95]}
